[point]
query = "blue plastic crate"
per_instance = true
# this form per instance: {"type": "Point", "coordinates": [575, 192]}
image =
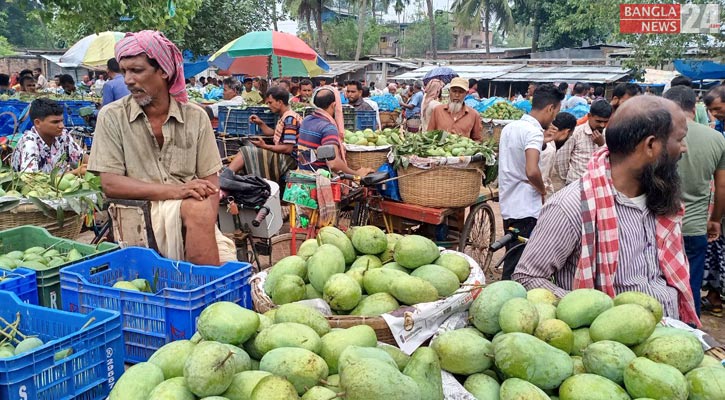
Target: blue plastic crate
{"type": "Point", "coordinates": [365, 120]}
{"type": "Point", "coordinates": [152, 320]}
{"type": "Point", "coordinates": [22, 282]}
{"type": "Point", "coordinates": [71, 112]}
{"type": "Point", "coordinates": [235, 121]}
{"type": "Point", "coordinates": [88, 373]}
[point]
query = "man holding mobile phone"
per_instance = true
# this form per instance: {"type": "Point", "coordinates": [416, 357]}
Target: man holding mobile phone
{"type": "Point", "coordinates": [280, 155]}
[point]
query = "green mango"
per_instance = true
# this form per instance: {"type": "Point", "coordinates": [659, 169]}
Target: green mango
{"type": "Point", "coordinates": [351, 354]}
{"type": "Point", "coordinates": [291, 265]}
{"type": "Point", "coordinates": [682, 351]}
{"type": "Point", "coordinates": [401, 359]}
{"type": "Point", "coordinates": [648, 302]}
{"type": "Point", "coordinates": [172, 389]}
{"type": "Point", "coordinates": [463, 352]}
{"type": "Point", "coordinates": [369, 378]}
{"type": "Point", "coordinates": [456, 263]}
{"type": "Point", "coordinates": [16, 255]}
{"type": "Point", "coordinates": [34, 250]}
{"type": "Point", "coordinates": [413, 251]}
{"type": "Point", "coordinates": [288, 334]}
{"type": "Point", "coordinates": [375, 305]}
{"type": "Point", "coordinates": [274, 387]}
{"type": "Point", "coordinates": [328, 260]}
{"type": "Point", "coordinates": [518, 315]}
{"type": "Point", "coordinates": [337, 238]}
{"type": "Point", "coordinates": [74, 255]}
{"type": "Point", "coordinates": [171, 358]}
{"type": "Point", "coordinates": [482, 386]}
{"type": "Point", "coordinates": [582, 306]}
{"type": "Point", "coordinates": [706, 383]}
{"type": "Point", "coordinates": [425, 369]}
{"type": "Point", "coordinates": [646, 378]}
{"type": "Point", "coordinates": [303, 368]}
{"type": "Point", "coordinates": [556, 333]}
{"type": "Point", "coordinates": [443, 280]}
{"type": "Point", "coordinates": [137, 382]}
{"type": "Point", "coordinates": [581, 341]}
{"type": "Point", "coordinates": [486, 308]}
{"type": "Point", "coordinates": [335, 342]}
{"type": "Point", "coordinates": [526, 357]}
{"type": "Point", "coordinates": [608, 359]}
{"type": "Point", "coordinates": [411, 290]}
{"type": "Point", "coordinates": [305, 315]}
{"type": "Point", "coordinates": [591, 387]}
{"type": "Point", "coordinates": [243, 384]}
{"type": "Point", "coordinates": [519, 389]}
{"type": "Point", "coordinates": [629, 324]}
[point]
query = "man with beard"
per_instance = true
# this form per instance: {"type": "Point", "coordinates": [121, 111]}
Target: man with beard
{"type": "Point", "coordinates": [617, 229]}
{"type": "Point", "coordinates": [703, 162]}
{"type": "Point", "coordinates": [573, 157]}
{"type": "Point", "coordinates": [456, 117]}
{"type": "Point", "coordinates": [153, 145]}
{"type": "Point", "coordinates": [521, 183]}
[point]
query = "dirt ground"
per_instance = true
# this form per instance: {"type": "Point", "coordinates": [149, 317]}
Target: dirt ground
{"type": "Point", "coordinates": [715, 326]}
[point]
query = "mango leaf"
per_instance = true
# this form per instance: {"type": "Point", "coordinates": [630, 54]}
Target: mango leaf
{"type": "Point", "coordinates": [8, 205]}
{"type": "Point", "coordinates": [44, 208]}
{"type": "Point", "coordinates": [60, 216]}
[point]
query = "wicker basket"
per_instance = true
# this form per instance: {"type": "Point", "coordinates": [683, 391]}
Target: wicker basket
{"type": "Point", "coordinates": [492, 130]}
{"type": "Point", "coordinates": [28, 214]}
{"type": "Point", "coordinates": [369, 159]}
{"type": "Point", "coordinates": [262, 304]}
{"type": "Point", "coordinates": [440, 187]}
{"type": "Point", "coordinates": [389, 119]}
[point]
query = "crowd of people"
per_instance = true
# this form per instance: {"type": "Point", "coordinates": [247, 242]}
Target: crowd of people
{"type": "Point", "coordinates": [629, 197]}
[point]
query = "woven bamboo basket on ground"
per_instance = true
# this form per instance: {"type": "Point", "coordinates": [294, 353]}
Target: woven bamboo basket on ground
{"type": "Point", "coordinates": [369, 159]}
{"type": "Point", "coordinates": [441, 186]}
{"type": "Point", "coordinates": [262, 304]}
{"type": "Point", "coordinates": [717, 352]}
{"type": "Point", "coordinates": [389, 119]}
{"type": "Point", "coordinates": [28, 214]}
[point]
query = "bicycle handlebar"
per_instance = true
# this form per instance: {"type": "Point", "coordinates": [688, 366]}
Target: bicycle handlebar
{"type": "Point", "coordinates": [261, 215]}
{"type": "Point", "coordinates": [506, 239]}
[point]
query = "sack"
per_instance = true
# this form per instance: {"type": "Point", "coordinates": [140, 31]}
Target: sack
{"type": "Point", "coordinates": [248, 190]}
{"type": "Point", "coordinates": [389, 189]}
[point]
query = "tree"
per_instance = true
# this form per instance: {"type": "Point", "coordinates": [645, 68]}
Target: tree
{"type": "Point", "coordinates": [469, 13]}
{"type": "Point", "coordinates": [432, 22]}
{"type": "Point", "coordinates": [5, 48]}
{"type": "Point", "coordinates": [361, 28]}
{"type": "Point", "coordinates": [529, 12]}
{"type": "Point", "coordinates": [219, 21]}
{"type": "Point", "coordinates": [345, 33]}
{"type": "Point", "coordinates": [20, 24]}
{"type": "Point", "coordinates": [571, 22]}
{"type": "Point", "coordinates": [302, 10]}
{"type": "Point", "coordinates": [77, 18]}
{"type": "Point", "coordinates": [417, 36]}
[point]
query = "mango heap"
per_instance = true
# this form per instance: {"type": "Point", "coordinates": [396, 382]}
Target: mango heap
{"type": "Point", "coordinates": [287, 353]}
{"type": "Point", "coordinates": [38, 258]}
{"type": "Point", "coordinates": [441, 144]}
{"type": "Point", "coordinates": [502, 110]}
{"type": "Point", "coordinates": [368, 137]}
{"type": "Point", "coordinates": [368, 273]}
{"type": "Point", "coordinates": [45, 186]}
{"type": "Point", "coordinates": [586, 346]}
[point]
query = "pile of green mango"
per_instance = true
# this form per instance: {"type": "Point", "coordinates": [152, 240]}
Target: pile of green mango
{"type": "Point", "coordinates": [38, 258]}
{"type": "Point", "coordinates": [291, 352]}
{"type": "Point", "coordinates": [584, 346]}
{"type": "Point", "coordinates": [368, 137]}
{"type": "Point", "coordinates": [502, 110]}
{"type": "Point", "coordinates": [51, 186]}
{"type": "Point", "coordinates": [365, 272]}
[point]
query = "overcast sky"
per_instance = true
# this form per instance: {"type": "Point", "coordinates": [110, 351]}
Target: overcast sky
{"type": "Point", "coordinates": [291, 26]}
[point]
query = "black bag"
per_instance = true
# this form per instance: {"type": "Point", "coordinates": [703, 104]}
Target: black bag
{"type": "Point", "coordinates": [248, 190]}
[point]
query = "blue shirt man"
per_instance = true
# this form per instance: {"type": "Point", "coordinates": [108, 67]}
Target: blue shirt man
{"type": "Point", "coordinates": [115, 88]}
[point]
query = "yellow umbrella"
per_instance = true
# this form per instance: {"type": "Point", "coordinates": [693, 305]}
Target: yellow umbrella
{"type": "Point", "coordinates": [93, 50]}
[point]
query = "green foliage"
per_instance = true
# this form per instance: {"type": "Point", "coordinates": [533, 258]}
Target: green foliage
{"type": "Point", "coordinates": [417, 36]}
{"type": "Point", "coordinates": [568, 23]}
{"type": "Point", "coordinates": [469, 13]}
{"type": "Point", "coordinates": [220, 21]}
{"type": "Point", "coordinates": [5, 48]}
{"type": "Point", "coordinates": [21, 24]}
{"type": "Point", "coordinates": [344, 34]}
{"type": "Point", "coordinates": [73, 19]}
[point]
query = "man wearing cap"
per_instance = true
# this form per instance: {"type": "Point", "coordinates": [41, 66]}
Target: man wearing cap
{"type": "Point", "coordinates": [456, 117]}
{"type": "Point", "coordinates": [153, 145]}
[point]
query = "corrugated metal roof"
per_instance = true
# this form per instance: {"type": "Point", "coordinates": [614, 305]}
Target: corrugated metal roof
{"type": "Point", "coordinates": [344, 67]}
{"type": "Point", "coordinates": [55, 59]}
{"type": "Point", "coordinates": [465, 71]}
{"type": "Point", "coordinates": [585, 73]}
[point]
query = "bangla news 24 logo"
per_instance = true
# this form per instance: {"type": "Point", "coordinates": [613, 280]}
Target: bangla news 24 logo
{"type": "Point", "coordinates": [669, 18]}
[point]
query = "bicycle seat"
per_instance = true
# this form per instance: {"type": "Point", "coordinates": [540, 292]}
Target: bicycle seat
{"type": "Point", "coordinates": [374, 178]}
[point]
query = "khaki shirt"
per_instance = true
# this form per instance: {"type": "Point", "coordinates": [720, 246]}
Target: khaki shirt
{"type": "Point", "coordinates": [466, 123]}
{"type": "Point", "coordinates": [124, 144]}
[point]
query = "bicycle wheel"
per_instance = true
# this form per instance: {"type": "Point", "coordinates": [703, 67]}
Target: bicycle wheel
{"type": "Point", "coordinates": [479, 231]}
{"type": "Point", "coordinates": [282, 246]}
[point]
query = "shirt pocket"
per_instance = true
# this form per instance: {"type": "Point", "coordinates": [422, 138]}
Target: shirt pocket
{"type": "Point", "coordinates": [183, 157]}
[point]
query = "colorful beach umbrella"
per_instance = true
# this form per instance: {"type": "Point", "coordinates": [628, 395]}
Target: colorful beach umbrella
{"type": "Point", "coordinates": [93, 50]}
{"type": "Point", "coordinates": [269, 53]}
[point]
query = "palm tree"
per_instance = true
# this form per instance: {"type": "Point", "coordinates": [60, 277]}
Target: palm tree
{"type": "Point", "coordinates": [471, 12]}
{"type": "Point", "coordinates": [361, 17]}
{"type": "Point", "coordinates": [432, 21]}
{"type": "Point", "coordinates": [532, 8]}
{"type": "Point", "coordinates": [302, 10]}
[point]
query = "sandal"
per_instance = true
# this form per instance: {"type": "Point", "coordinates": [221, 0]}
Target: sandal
{"type": "Point", "coordinates": [715, 310]}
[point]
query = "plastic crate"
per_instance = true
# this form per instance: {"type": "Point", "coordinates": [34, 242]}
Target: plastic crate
{"type": "Point", "coordinates": [365, 120]}
{"type": "Point", "coordinates": [20, 281]}
{"type": "Point", "coordinates": [235, 121]}
{"type": "Point", "coordinates": [71, 112]}
{"type": "Point", "coordinates": [88, 373]}
{"type": "Point", "coordinates": [25, 237]}
{"type": "Point", "coordinates": [348, 117]}
{"type": "Point", "coordinates": [151, 320]}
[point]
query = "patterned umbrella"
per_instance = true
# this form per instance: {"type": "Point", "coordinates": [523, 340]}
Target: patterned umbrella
{"type": "Point", "coordinates": [269, 53]}
{"type": "Point", "coordinates": [93, 50]}
{"type": "Point", "coordinates": [445, 74]}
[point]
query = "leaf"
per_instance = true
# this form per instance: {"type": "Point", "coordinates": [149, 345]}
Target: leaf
{"type": "Point", "coordinates": [44, 208]}
{"type": "Point", "coordinates": [60, 216]}
{"type": "Point", "coordinates": [8, 205]}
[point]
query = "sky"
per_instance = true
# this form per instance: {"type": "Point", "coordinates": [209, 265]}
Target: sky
{"type": "Point", "coordinates": [291, 26]}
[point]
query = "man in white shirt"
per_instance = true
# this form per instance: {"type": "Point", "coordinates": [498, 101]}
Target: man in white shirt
{"type": "Point", "coordinates": [521, 184]}
{"type": "Point", "coordinates": [231, 96]}
{"type": "Point", "coordinates": [580, 90]}
{"type": "Point", "coordinates": [40, 81]}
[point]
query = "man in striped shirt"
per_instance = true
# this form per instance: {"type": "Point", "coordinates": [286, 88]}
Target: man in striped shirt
{"type": "Point", "coordinates": [645, 139]}
{"type": "Point", "coordinates": [319, 129]}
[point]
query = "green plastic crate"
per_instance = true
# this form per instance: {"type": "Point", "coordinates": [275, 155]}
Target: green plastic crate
{"type": "Point", "coordinates": [25, 237]}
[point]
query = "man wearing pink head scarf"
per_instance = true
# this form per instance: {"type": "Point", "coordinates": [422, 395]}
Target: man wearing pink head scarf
{"type": "Point", "coordinates": [152, 145]}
